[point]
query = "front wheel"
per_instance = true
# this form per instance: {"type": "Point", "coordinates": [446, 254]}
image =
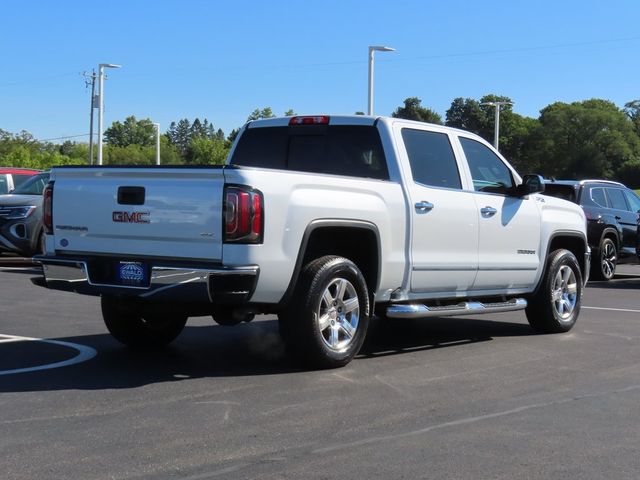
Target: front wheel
{"type": "Point", "coordinates": [327, 320]}
{"type": "Point", "coordinates": [556, 306]}
{"type": "Point", "coordinates": [127, 325]}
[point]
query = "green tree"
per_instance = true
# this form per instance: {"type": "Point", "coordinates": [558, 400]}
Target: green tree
{"type": "Point", "coordinates": [179, 134]}
{"type": "Point", "coordinates": [632, 109]}
{"type": "Point", "coordinates": [201, 129]}
{"type": "Point", "coordinates": [592, 138]}
{"type": "Point", "coordinates": [466, 114]}
{"type": "Point", "coordinates": [258, 114]}
{"type": "Point", "coordinates": [232, 136]}
{"type": "Point", "coordinates": [413, 110]}
{"type": "Point", "coordinates": [131, 132]}
{"type": "Point", "coordinates": [207, 151]}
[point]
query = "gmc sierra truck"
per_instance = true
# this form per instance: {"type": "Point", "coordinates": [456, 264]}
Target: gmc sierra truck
{"type": "Point", "coordinates": [324, 221]}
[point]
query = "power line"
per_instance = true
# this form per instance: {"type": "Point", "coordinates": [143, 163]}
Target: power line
{"type": "Point", "coordinates": [63, 138]}
{"type": "Point", "coordinates": [534, 48]}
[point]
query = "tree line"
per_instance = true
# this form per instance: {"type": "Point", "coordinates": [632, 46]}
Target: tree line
{"type": "Point", "coordinates": [586, 139]}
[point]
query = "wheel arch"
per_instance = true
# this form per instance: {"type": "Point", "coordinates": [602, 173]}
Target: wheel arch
{"type": "Point", "coordinates": [357, 240]}
{"type": "Point", "coordinates": [575, 242]}
{"type": "Point", "coordinates": [612, 233]}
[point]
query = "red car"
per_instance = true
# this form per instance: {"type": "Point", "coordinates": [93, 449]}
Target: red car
{"type": "Point", "coordinates": [11, 177]}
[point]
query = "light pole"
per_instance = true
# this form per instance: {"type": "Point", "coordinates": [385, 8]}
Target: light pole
{"type": "Point", "coordinates": [101, 68]}
{"type": "Point", "coordinates": [496, 130]}
{"type": "Point", "coordinates": [157, 125]}
{"type": "Point", "coordinates": [374, 48]}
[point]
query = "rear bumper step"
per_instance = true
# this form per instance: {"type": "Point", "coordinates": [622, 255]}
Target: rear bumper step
{"type": "Point", "coordinates": [464, 308]}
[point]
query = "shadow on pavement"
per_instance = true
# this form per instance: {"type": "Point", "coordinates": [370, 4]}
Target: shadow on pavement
{"type": "Point", "coordinates": [618, 283]}
{"type": "Point", "coordinates": [251, 349]}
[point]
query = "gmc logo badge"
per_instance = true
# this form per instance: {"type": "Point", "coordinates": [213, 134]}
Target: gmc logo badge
{"type": "Point", "coordinates": [130, 217]}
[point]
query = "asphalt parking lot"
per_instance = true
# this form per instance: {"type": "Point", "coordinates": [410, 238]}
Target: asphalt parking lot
{"type": "Point", "coordinates": [466, 398]}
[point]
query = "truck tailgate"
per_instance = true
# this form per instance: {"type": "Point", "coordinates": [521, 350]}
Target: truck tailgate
{"type": "Point", "coordinates": [159, 212]}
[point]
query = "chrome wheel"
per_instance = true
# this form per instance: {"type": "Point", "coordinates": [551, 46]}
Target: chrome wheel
{"type": "Point", "coordinates": [564, 293]}
{"type": "Point", "coordinates": [608, 259]}
{"type": "Point", "coordinates": [325, 323]}
{"type": "Point", "coordinates": [338, 314]}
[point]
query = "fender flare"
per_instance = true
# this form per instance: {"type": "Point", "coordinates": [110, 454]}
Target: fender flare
{"type": "Point", "coordinates": [309, 230]}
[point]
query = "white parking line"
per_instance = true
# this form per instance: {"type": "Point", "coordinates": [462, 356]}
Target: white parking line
{"type": "Point", "coordinates": [84, 353]}
{"type": "Point", "coordinates": [613, 309]}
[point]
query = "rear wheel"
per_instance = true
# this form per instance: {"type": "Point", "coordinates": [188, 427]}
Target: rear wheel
{"type": "Point", "coordinates": [605, 262]}
{"type": "Point", "coordinates": [127, 325]}
{"type": "Point", "coordinates": [556, 306]}
{"type": "Point", "coordinates": [327, 321]}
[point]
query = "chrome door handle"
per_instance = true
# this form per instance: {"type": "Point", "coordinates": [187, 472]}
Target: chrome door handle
{"type": "Point", "coordinates": [488, 211]}
{"type": "Point", "coordinates": [424, 207]}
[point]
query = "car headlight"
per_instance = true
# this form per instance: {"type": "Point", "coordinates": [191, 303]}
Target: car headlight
{"type": "Point", "coordinates": [17, 212]}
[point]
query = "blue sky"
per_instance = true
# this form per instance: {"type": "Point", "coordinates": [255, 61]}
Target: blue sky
{"type": "Point", "coordinates": [220, 60]}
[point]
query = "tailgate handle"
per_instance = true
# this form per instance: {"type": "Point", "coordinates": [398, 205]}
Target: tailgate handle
{"type": "Point", "coordinates": [131, 195]}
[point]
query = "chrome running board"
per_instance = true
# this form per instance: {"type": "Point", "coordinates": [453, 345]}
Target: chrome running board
{"type": "Point", "coordinates": [465, 308]}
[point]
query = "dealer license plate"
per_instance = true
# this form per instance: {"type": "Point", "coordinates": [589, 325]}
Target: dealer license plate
{"type": "Point", "coordinates": [132, 273]}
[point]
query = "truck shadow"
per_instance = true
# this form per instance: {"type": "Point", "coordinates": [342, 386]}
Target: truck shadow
{"type": "Point", "coordinates": [395, 336]}
{"type": "Point", "coordinates": [253, 349]}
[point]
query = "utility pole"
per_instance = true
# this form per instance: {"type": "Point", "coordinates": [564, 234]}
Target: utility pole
{"type": "Point", "coordinates": [496, 129]}
{"type": "Point", "coordinates": [94, 101]}
{"type": "Point", "coordinates": [101, 76]}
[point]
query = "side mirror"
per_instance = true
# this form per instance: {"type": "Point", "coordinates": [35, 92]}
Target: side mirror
{"type": "Point", "coordinates": [530, 184]}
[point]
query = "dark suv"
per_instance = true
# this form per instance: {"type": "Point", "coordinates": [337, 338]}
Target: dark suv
{"type": "Point", "coordinates": [612, 212]}
{"type": "Point", "coordinates": [21, 217]}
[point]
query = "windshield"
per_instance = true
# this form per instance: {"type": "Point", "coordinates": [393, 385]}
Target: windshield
{"type": "Point", "coordinates": [34, 186]}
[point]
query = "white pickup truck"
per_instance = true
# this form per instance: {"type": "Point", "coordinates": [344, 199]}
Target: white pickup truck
{"type": "Point", "coordinates": [324, 221]}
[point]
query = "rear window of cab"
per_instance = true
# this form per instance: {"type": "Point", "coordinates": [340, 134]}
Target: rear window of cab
{"type": "Point", "coordinates": [350, 150]}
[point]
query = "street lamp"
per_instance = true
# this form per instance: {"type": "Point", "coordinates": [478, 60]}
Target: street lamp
{"type": "Point", "coordinates": [101, 68]}
{"type": "Point", "coordinates": [157, 125]}
{"type": "Point", "coordinates": [496, 130]}
{"type": "Point", "coordinates": [372, 49]}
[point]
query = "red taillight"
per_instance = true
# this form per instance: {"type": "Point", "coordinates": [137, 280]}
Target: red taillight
{"type": "Point", "coordinates": [244, 214]}
{"type": "Point", "coordinates": [310, 120]}
{"type": "Point", "coordinates": [47, 208]}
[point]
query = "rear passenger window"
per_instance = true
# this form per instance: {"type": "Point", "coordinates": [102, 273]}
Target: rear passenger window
{"type": "Point", "coordinates": [351, 150]}
{"type": "Point", "coordinates": [616, 199]}
{"type": "Point", "coordinates": [597, 195]}
{"type": "Point", "coordinates": [431, 158]}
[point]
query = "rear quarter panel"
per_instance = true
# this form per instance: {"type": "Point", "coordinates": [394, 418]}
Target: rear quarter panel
{"type": "Point", "coordinates": [294, 200]}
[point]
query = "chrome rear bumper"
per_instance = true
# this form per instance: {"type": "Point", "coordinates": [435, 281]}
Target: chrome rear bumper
{"type": "Point", "coordinates": [226, 285]}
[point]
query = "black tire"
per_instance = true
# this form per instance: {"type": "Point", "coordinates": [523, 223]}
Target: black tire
{"type": "Point", "coordinates": [127, 325]}
{"type": "Point", "coordinates": [556, 306]}
{"type": "Point", "coordinates": [603, 266]}
{"type": "Point", "coordinates": [327, 320]}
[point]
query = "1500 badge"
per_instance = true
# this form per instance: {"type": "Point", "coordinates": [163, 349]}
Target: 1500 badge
{"type": "Point", "coordinates": [130, 217]}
